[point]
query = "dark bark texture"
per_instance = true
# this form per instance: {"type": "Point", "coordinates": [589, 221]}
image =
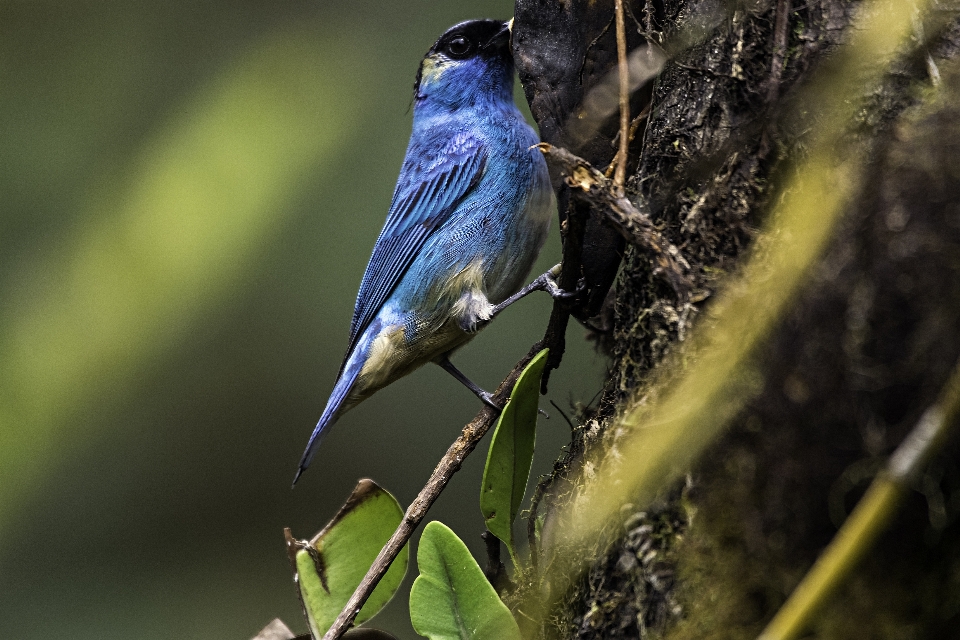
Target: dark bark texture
{"type": "Point", "coordinates": [863, 351]}
{"type": "Point", "coordinates": [563, 51]}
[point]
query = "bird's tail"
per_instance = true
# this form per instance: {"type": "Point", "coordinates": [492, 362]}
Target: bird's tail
{"type": "Point", "coordinates": [334, 409]}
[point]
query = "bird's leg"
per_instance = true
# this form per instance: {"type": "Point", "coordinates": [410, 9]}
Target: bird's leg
{"type": "Point", "coordinates": [485, 397]}
{"type": "Point", "coordinates": [546, 282]}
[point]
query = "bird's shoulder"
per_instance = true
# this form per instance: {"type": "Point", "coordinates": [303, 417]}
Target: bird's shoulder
{"type": "Point", "coordinates": [441, 142]}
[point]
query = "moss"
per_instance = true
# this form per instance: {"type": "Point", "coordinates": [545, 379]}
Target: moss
{"type": "Point", "coordinates": [869, 342]}
{"type": "Point", "coordinates": [629, 593]}
{"type": "Point", "coordinates": [763, 514]}
{"type": "Point", "coordinates": [721, 590]}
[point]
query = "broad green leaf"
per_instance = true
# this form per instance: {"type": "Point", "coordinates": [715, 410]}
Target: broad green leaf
{"type": "Point", "coordinates": [511, 453]}
{"type": "Point", "coordinates": [451, 599]}
{"type": "Point", "coordinates": [331, 566]}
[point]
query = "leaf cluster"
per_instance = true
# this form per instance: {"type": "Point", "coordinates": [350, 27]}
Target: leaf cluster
{"type": "Point", "coordinates": [451, 599]}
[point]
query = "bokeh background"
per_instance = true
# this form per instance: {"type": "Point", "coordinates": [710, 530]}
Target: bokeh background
{"type": "Point", "coordinates": [189, 192]}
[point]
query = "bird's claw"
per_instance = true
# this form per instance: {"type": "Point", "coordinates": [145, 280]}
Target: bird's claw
{"type": "Point", "coordinates": [487, 398]}
{"type": "Point", "coordinates": [550, 286]}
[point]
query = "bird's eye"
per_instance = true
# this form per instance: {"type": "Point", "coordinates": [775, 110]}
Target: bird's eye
{"type": "Point", "coordinates": [459, 47]}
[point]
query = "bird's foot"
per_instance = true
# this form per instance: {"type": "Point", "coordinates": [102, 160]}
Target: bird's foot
{"type": "Point", "coordinates": [487, 398]}
{"type": "Point", "coordinates": [548, 282]}
{"type": "Point", "coordinates": [550, 286]}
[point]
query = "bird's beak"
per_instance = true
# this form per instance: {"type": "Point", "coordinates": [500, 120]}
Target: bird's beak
{"type": "Point", "coordinates": [502, 37]}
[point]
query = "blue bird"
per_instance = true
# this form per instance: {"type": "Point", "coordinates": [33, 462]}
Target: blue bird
{"type": "Point", "coordinates": [469, 215]}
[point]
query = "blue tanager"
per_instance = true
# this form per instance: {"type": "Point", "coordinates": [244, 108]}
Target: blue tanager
{"type": "Point", "coordinates": [469, 215]}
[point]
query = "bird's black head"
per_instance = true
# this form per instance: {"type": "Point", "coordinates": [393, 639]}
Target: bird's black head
{"type": "Point", "coordinates": [473, 38]}
{"type": "Point", "coordinates": [470, 56]}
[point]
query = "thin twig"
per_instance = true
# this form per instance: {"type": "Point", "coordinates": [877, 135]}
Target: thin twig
{"type": "Point", "coordinates": [449, 465]}
{"type": "Point", "coordinates": [634, 125]}
{"type": "Point", "coordinates": [564, 415]}
{"type": "Point", "coordinates": [620, 175]}
{"type": "Point", "coordinates": [871, 516]}
{"type": "Point", "coordinates": [592, 187]}
{"type": "Point", "coordinates": [592, 44]}
{"type": "Point", "coordinates": [648, 16]}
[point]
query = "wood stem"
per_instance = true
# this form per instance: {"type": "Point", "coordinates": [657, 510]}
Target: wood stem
{"type": "Point", "coordinates": [593, 189]}
{"type": "Point", "coordinates": [471, 435]}
{"type": "Point", "coordinates": [623, 69]}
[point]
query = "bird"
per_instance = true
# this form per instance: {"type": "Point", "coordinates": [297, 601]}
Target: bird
{"type": "Point", "coordinates": [469, 215]}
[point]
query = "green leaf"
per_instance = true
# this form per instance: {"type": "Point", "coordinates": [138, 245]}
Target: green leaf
{"type": "Point", "coordinates": [511, 454]}
{"type": "Point", "coordinates": [330, 567]}
{"type": "Point", "coordinates": [451, 599]}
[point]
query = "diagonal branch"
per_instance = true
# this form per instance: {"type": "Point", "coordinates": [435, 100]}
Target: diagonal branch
{"type": "Point", "coordinates": [872, 515]}
{"type": "Point", "coordinates": [449, 465]}
{"type": "Point", "coordinates": [591, 187]}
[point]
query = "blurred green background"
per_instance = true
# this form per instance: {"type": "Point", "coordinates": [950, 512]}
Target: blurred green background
{"type": "Point", "coordinates": [189, 192]}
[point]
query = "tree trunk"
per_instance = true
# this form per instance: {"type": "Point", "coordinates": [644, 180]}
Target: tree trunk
{"type": "Point", "coordinates": [863, 351]}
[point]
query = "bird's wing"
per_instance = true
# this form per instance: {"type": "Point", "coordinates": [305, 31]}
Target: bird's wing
{"type": "Point", "coordinates": [429, 189]}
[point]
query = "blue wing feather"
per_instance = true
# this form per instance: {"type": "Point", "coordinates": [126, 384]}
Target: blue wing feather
{"type": "Point", "coordinates": [427, 193]}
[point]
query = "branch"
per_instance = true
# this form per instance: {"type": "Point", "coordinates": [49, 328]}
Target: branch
{"type": "Point", "coordinates": [495, 572]}
{"type": "Point", "coordinates": [871, 516]}
{"type": "Point", "coordinates": [571, 267]}
{"type": "Point", "coordinates": [619, 177]}
{"type": "Point", "coordinates": [634, 125]}
{"type": "Point", "coordinates": [591, 187]}
{"type": "Point", "coordinates": [471, 435]}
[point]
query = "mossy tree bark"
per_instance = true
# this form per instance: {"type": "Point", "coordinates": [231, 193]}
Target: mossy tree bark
{"type": "Point", "coordinates": [863, 351]}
